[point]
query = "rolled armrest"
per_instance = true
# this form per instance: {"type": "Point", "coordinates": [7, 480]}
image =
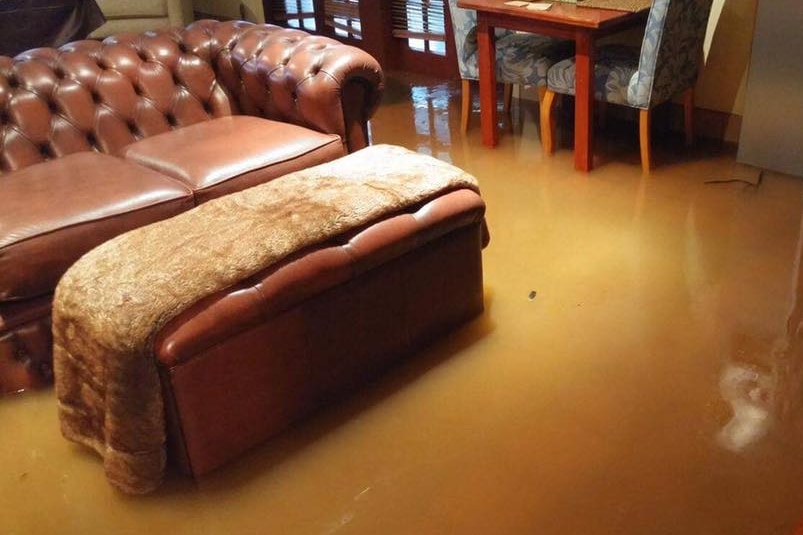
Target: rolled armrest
{"type": "Point", "coordinates": [292, 76]}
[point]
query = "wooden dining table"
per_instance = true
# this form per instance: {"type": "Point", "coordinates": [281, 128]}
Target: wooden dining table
{"type": "Point", "coordinates": [583, 25]}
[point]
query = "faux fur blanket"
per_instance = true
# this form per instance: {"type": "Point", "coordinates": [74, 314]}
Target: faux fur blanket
{"type": "Point", "coordinates": [111, 304]}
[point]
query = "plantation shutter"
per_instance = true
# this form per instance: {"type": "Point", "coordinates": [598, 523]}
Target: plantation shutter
{"type": "Point", "coordinates": [343, 16]}
{"type": "Point", "coordinates": [295, 13]}
{"type": "Point", "coordinates": [419, 19]}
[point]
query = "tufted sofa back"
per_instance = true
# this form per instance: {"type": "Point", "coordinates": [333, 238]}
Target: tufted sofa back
{"type": "Point", "coordinates": [101, 96]}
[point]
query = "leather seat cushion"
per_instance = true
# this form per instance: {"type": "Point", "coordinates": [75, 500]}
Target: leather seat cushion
{"type": "Point", "coordinates": [233, 153]}
{"type": "Point", "coordinates": [52, 213]}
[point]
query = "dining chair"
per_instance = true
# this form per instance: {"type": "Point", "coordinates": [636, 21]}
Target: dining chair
{"type": "Point", "coordinates": [667, 64]}
{"type": "Point", "coordinates": [521, 58]}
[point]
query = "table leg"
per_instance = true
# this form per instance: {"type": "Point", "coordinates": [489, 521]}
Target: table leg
{"type": "Point", "coordinates": [487, 64]}
{"type": "Point", "coordinates": [584, 102]}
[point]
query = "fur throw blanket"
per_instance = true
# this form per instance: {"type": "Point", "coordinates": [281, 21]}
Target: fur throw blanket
{"type": "Point", "coordinates": [111, 304]}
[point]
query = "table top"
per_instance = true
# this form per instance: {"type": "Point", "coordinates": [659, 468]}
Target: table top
{"type": "Point", "coordinates": [563, 13]}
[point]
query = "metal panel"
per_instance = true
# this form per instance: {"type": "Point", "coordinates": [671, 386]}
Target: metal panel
{"type": "Point", "coordinates": [772, 130]}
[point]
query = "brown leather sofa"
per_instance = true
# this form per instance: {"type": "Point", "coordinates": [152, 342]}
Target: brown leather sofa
{"type": "Point", "coordinates": [97, 138]}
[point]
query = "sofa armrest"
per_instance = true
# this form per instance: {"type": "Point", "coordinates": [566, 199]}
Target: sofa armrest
{"type": "Point", "coordinates": [292, 76]}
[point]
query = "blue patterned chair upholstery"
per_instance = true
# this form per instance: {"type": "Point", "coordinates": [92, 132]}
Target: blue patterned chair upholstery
{"type": "Point", "coordinates": [521, 58]}
{"type": "Point", "coordinates": [667, 64]}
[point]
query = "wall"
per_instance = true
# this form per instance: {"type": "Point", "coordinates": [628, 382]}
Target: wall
{"type": "Point", "coordinates": [773, 118]}
{"type": "Point", "coordinates": [727, 48]}
{"type": "Point", "coordinates": [230, 9]}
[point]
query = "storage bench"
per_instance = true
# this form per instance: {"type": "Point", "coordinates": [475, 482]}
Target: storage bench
{"type": "Point", "coordinates": [220, 367]}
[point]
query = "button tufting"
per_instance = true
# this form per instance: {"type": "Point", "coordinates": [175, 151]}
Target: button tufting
{"type": "Point", "coordinates": [13, 82]}
{"type": "Point", "coordinates": [171, 119]}
{"type": "Point", "coordinates": [95, 97]}
{"type": "Point", "coordinates": [45, 150]}
{"type": "Point", "coordinates": [91, 139]}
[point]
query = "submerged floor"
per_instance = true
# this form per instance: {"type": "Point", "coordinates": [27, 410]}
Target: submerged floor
{"type": "Point", "coordinates": [637, 371]}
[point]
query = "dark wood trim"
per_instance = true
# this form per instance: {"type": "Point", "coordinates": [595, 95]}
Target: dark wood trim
{"type": "Point", "coordinates": [320, 20]}
{"type": "Point", "coordinates": [409, 60]}
{"type": "Point", "coordinates": [376, 18]}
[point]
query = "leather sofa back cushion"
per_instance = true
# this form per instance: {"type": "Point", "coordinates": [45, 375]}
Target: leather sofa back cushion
{"type": "Point", "coordinates": [90, 95]}
{"type": "Point", "coordinates": [54, 212]}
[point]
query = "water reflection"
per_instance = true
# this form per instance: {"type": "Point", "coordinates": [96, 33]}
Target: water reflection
{"type": "Point", "coordinates": [749, 392]}
{"type": "Point", "coordinates": [420, 111]}
{"type": "Point", "coordinates": [753, 316]}
{"type": "Point", "coordinates": [431, 117]}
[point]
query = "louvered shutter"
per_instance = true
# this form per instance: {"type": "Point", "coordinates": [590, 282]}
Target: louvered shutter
{"type": "Point", "coordinates": [422, 23]}
{"type": "Point", "coordinates": [343, 16]}
{"type": "Point", "coordinates": [294, 13]}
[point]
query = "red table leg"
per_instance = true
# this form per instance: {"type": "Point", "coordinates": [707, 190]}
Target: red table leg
{"type": "Point", "coordinates": [584, 102]}
{"type": "Point", "coordinates": [487, 64]}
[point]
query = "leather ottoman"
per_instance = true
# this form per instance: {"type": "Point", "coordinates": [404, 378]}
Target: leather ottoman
{"type": "Point", "coordinates": [196, 338]}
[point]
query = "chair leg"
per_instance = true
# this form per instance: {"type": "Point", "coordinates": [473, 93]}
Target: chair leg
{"type": "Point", "coordinates": [688, 115]}
{"type": "Point", "coordinates": [508, 98]}
{"type": "Point", "coordinates": [548, 122]}
{"type": "Point", "coordinates": [465, 106]}
{"type": "Point", "coordinates": [541, 93]}
{"type": "Point", "coordinates": [644, 139]}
